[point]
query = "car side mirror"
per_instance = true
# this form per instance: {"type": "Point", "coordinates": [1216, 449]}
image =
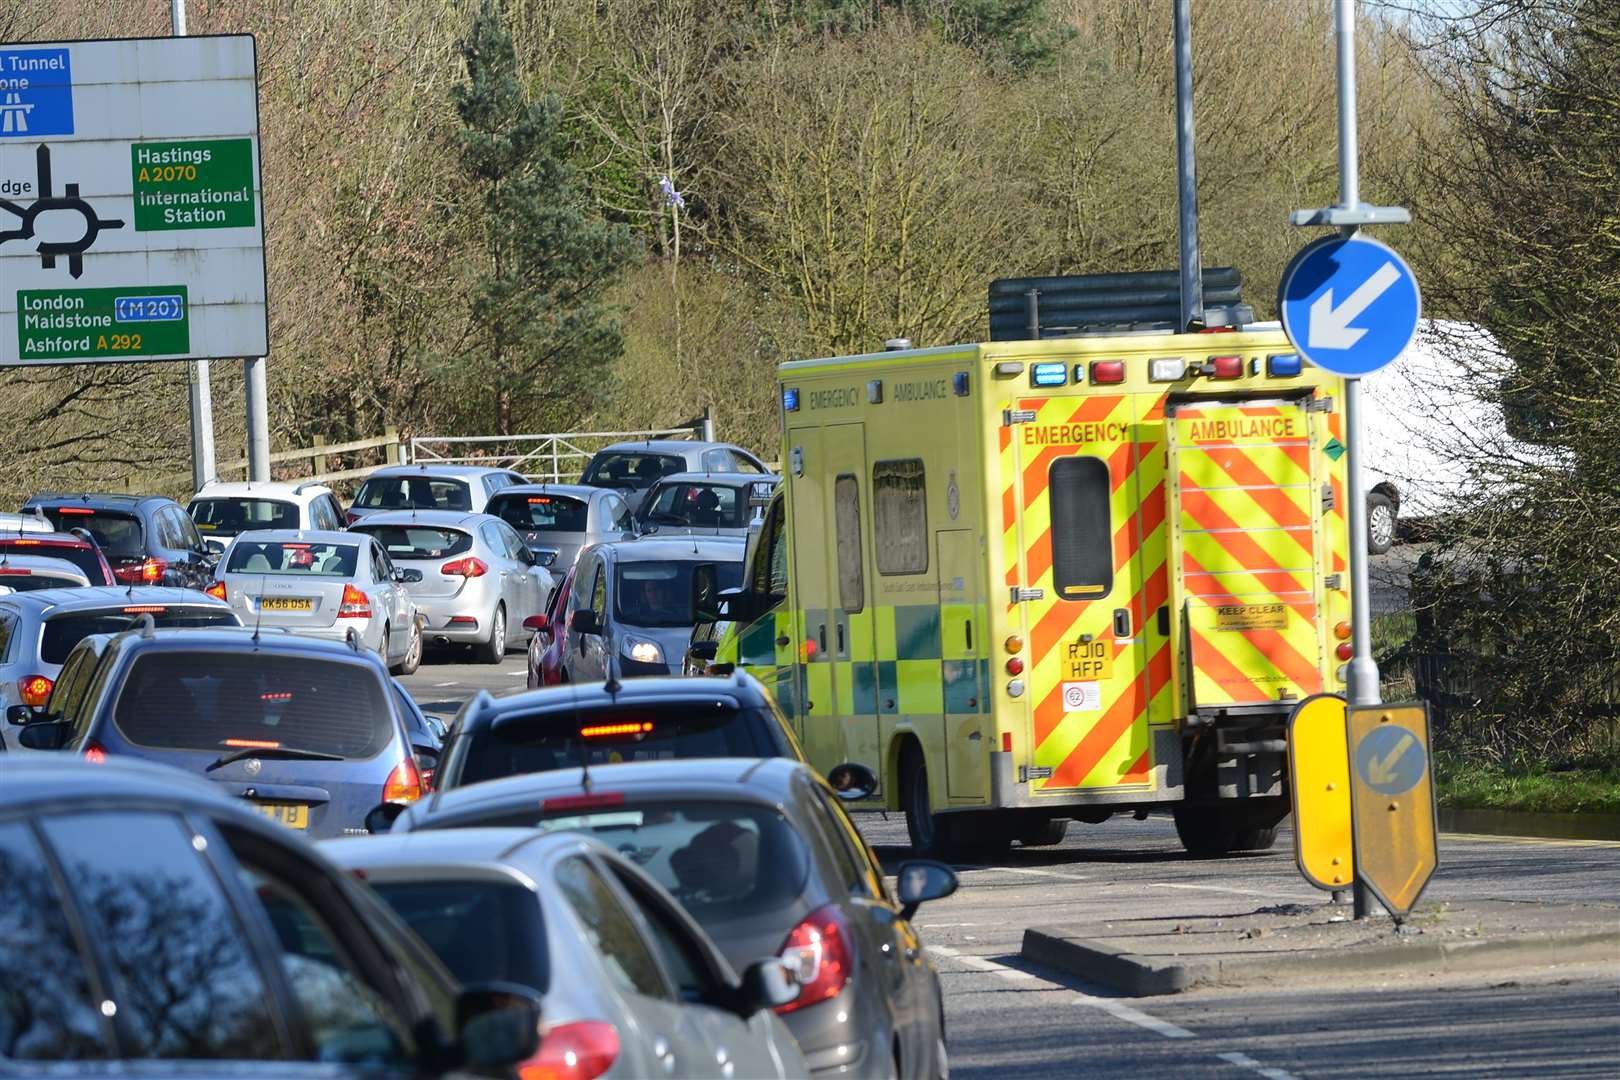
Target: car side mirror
{"type": "Point", "coordinates": [45, 734]}
{"type": "Point", "coordinates": [704, 650]}
{"type": "Point", "coordinates": [705, 593]}
{"type": "Point", "coordinates": [20, 714]}
{"type": "Point", "coordinates": [584, 621]}
{"type": "Point", "coordinates": [921, 880]}
{"type": "Point", "coordinates": [497, 1024]}
{"type": "Point", "coordinates": [410, 576]}
{"type": "Point", "coordinates": [380, 818]}
{"type": "Point", "coordinates": [766, 984]}
{"type": "Point", "coordinates": [537, 623]}
{"type": "Point", "coordinates": [852, 781]}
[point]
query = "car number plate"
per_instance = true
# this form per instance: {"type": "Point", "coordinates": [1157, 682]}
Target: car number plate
{"type": "Point", "coordinates": [292, 815]}
{"type": "Point", "coordinates": [286, 603]}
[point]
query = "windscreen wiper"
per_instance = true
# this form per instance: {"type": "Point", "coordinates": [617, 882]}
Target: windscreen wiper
{"type": "Point", "coordinates": [272, 751]}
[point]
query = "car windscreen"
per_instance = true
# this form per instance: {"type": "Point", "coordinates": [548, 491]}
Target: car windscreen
{"type": "Point", "coordinates": [699, 505]}
{"type": "Point", "coordinates": [662, 731]}
{"type": "Point", "coordinates": [180, 699]}
{"type": "Point", "coordinates": [34, 580]}
{"type": "Point", "coordinates": [62, 632]}
{"type": "Point", "coordinates": [483, 931]}
{"type": "Point", "coordinates": [413, 493]}
{"type": "Point", "coordinates": [227, 517]}
{"type": "Point", "coordinates": [721, 859]}
{"type": "Point", "coordinates": [659, 593]}
{"type": "Point", "coordinates": [625, 469]}
{"type": "Point", "coordinates": [76, 552]}
{"type": "Point", "coordinates": [418, 541]}
{"type": "Point", "coordinates": [540, 513]}
{"type": "Point", "coordinates": [293, 558]}
{"type": "Point", "coordinates": [119, 534]}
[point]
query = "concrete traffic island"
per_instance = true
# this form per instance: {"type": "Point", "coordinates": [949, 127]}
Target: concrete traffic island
{"type": "Point", "coordinates": [1167, 954]}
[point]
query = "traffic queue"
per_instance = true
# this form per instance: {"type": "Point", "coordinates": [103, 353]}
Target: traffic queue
{"type": "Point", "coordinates": [646, 876]}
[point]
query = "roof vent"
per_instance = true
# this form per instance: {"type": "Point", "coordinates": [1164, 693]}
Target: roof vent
{"type": "Point", "coordinates": [895, 344]}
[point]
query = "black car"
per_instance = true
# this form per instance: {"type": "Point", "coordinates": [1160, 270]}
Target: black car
{"type": "Point", "coordinates": [309, 732]}
{"type": "Point", "coordinates": [561, 726]}
{"type": "Point", "coordinates": [148, 539]}
{"type": "Point", "coordinates": [149, 924]}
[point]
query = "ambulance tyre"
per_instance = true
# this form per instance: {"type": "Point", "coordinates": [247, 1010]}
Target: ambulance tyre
{"type": "Point", "coordinates": [1207, 831]}
{"type": "Point", "coordinates": [943, 836]}
{"type": "Point", "coordinates": [1047, 833]}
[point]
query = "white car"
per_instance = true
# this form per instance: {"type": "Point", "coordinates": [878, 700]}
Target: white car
{"type": "Point", "coordinates": [221, 511]}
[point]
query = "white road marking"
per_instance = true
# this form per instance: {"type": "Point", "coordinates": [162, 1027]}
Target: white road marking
{"type": "Point", "coordinates": [1030, 870]}
{"type": "Point", "coordinates": [1118, 1009]}
{"type": "Point", "coordinates": [1298, 897]}
{"type": "Point", "coordinates": [1244, 1061]}
{"type": "Point", "coordinates": [442, 685]}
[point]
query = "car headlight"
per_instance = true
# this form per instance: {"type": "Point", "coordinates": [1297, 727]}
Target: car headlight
{"type": "Point", "coordinates": [643, 651]}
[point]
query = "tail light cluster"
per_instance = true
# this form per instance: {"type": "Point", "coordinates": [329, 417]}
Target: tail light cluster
{"type": "Point", "coordinates": [35, 690]}
{"type": "Point", "coordinates": [94, 752]}
{"type": "Point", "coordinates": [354, 605]}
{"type": "Point", "coordinates": [404, 783]}
{"type": "Point", "coordinates": [470, 567]}
{"type": "Point", "coordinates": [817, 952]}
{"type": "Point", "coordinates": [216, 590]}
{"type": "Point", "coordinates": [581, 1050]}
{"type": "Point", "coordinates": [1015, 664]}
{"type": "Point", "coordinates": [148, 571]}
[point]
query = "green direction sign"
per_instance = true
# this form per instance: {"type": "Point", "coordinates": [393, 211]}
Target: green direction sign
{"type": "Point", "coordinates": [97, 324]}
{"type": "Point", "coordinates": [195, 184]}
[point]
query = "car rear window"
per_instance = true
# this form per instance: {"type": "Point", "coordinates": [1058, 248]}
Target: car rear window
{"type": "Point", "coordinates": [698, 505]}
{"type": "Point", "coordinates": [227, 517]}
{"type": "Point", "coordinates": [34, 580]}
{"type": "Point", "coordinates": [702, 728]}
{"type": "Point", "coordinates": [76, 552]}
{"type": "Point", "coordinates": [720, 859]}
{"type": "Point", "coordinates": [631, 469]}
{"type": "Point", "coordinates": [660, 593]}
{"type": "Point", "coordinates": [293, 558]}
{"type": "Point", "coordinates": [413, 492]}
{"type": "Point", "coordinates": [207, 700]}
{"type": "Point", "coordinates": [418, 541]}
{"type": "Point", "coordinates": [540, 513]}
{"type": "Point", "coordinates": [64, 631]}
{"type": "Point", "coordinates": [484, 931]}
{"type": "Point", "coordinates": [119, 534]}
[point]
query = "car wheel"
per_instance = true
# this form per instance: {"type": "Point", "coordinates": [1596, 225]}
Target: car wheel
{"type": "Point", "coordinates": [382, 646]}
{"type": "Point", "coordinates": [942, 1061]}
{"type": "Point", "coordinates": [413, 654]}
{"type": "Point", "coordinates": [493, 651]}
{"type": "Point", "coordinates": [1380, 523]}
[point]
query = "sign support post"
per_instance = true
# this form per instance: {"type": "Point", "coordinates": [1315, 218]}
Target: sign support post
{"type": "Point", "coordinates": [199, 387]}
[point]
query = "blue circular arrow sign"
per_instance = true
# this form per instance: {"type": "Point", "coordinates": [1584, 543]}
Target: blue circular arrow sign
{"type": "Point", "coordinates": [1390, 760]}
{"type": "Point", "coordinates": [1349, 305]}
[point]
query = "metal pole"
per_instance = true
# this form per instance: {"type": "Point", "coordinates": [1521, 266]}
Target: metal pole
{"type": "Point", "coordinates": [258, 419]}
{"type": "Point", "coordinates": [199, 387]}
{"type": "Point", "coordinates": [1192, 273]}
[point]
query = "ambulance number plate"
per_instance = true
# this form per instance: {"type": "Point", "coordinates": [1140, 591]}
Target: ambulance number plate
{"type": "Point", "coordinates": [1091, 661]}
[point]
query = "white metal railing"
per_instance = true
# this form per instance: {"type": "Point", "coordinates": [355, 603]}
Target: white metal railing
{"type": "Point", "coordinates": [557, 457]}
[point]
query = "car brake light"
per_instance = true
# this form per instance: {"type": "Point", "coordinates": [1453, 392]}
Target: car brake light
{"type": "Point", "coordinates": [817, 952]}
{"type": "Point", "coordinates": [354, 605]}
{"type": "Point", "coordinates": [36, 690]}
{"type": "Point", "coordinates": [350, 517]}
{"type": "Point", "coordinates": [94, 752]}
{"type": "Point", "coordinates": [1107, 371]}
{"type": "Point", "coordinates": [257, 744]}
{"type": "Point", "coordinates": [216, 590]}
{"type": "Point", "coordinates": [145, 609]}
{"type": "Point", "coordinates": [74, 510]}
{"type": "Point", "coordinates": [598, 731]}
{"type": "Point", "coordinates": [404, 783]}
{"type": "Point", "coordinates": [469, 567]}
{"type": "Point", "coordinates": [595, 800]}
{"type": "Point", "coordinates": [581, 1050]}
{"type": "Point", "coordinates": [14, 571]}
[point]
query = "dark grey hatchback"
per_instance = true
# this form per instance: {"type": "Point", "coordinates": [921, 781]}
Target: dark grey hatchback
{"type": "Point", "coordinates": [309, 732]}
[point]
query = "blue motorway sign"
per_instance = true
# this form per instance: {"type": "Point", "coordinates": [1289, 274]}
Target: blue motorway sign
{"type": "Point", "coordinates": [1349, 305]}
{"type": "Point", "coordinates": [36, 93]}
{"type": "Point", "coordinates": [1390, 760]}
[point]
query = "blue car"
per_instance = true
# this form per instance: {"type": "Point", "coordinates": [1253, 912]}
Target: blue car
{"type": "Point", "coordinates": [309, 732]}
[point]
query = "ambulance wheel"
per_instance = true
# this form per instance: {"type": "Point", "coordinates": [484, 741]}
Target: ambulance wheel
{"type": "Point", "coordinates": [1380, 523]}
{"type": "Point", "coordinates": [1048, 833]}
{"type": "Point", "coordinates": [927, 831]}
{"type": "Point", "coordinates": [1208, 831]}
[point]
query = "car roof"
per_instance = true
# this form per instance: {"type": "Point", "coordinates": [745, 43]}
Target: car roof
{"type": "Point", "coordinates": [87, 597]}
{"type": "Point", "coordinates": [738, 478]}
{"type": "Point", "coordinates": [104, 500]}
{"type": "Point", "coordinates": [323, 536]}
{"type": "Point", "coordinates": [486, 711]}
{"type": "Point", "coordinates": [464, 518]}
{"type": "Point", "coordinates": [662, 446]}
{"type": "Point", "coordinates": [205, 638]}
{"type": "Point", "coordinates": [38, 780]}
{"type": "Point", "coordinates": [43, 563]}
{"type": "Point", "coordinates": [683, 549]}
{"type": "Point", "coordinates": [578, 491]}
{"type": "Point", "coordinates": [765, 780]}
{"type": "Point", "coordinates": [215, 489]}
{"type": "Point", "coordinates": [482, 849]}
{"type": "Point", "coordinates": [430, 468]}
{"type": "Point", "coordinates": [7, 536]}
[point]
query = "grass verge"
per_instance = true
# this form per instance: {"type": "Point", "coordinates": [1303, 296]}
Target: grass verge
{"type": "Point", "coordinates": [1484, 787]}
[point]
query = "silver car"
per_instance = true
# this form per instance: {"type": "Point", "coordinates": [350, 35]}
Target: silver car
{"type": "Point", "coordinates": [39, 629]}
{"type": "Point", "coordinates": [706, 504]}
{"type": "Point", "coordinates": [633, 467]}
{"type": "Point", "coordinates": [631, 986]}
{"type": "Point", "coordinates": [427, 486]}
{"type": "Point", "coordinates": [29, 573]}
{"type": "Point", "coordinates": [472, 577]}
{"type": "Point", "coordinates": [558, 521]}
{"type": "Point", "coordinates": [323, 584]}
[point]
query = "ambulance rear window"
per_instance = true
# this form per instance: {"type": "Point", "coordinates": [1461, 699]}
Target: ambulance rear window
{"type": "Point", "coordinates": [900, 517]}
{"type": "Point", "coordinates": [1082, 534]}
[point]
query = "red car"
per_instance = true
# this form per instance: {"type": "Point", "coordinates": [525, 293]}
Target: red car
{"type": "Point", "coordinates": [545, 647]}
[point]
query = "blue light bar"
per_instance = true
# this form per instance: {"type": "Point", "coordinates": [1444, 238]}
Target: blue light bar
{"type": "Point", "coordinates": [1048, 374]}
{"type": "Point", "coordinates": [961, 384]}
{"type": "Point", "coordinates": [790, 399]}
{"type": "Point", "coordinates": [1283, 365]}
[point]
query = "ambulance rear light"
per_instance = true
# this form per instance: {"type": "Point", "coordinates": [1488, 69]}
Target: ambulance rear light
{"type": "Point", "coordinates": [1343, 650]}
{"type": "Point", "coordinates": [1015, 666]}
{"type": "Point", "coordinates": [1342, 631]}
{"type": "Point", "coordinates": [1014, 644]}
{"type": "Point", "coordinates": [790, 399]}
{"type": "Point", "coordinates": [1107, 372]}
{"type": "Point", "coordinates": [1015, 688]}
{"type": "Point", "coordinates": [1343, 673]}
{"type": "Point", "coordinates": [1048, 374]}
{"type": "Point", "coordinates": [1224, 367]}
{"type": "Point", "coordinates": [1006, 742]}
{"type": "Point", "coordinates": [1167, 369]}
{"type": "Point", "coordinates": [1284, 365]}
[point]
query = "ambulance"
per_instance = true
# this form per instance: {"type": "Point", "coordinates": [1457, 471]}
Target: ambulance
{"type": "Point", "coordinates": [1032, 582]}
